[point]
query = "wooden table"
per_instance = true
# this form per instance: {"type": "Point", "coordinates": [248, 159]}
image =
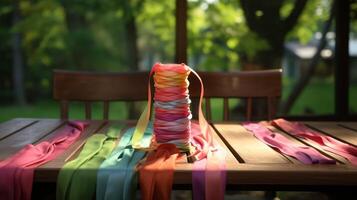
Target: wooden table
{"type": "Point", "coordinates": [251, 165]}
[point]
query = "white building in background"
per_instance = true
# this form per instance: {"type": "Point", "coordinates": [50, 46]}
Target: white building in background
{"type": "Point", "coordinates": [297, 57]}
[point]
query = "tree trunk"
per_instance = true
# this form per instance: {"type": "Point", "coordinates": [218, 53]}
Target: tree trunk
{"type": "Point", "coordinates": [75, 22]}
{"type": "Point", "coordinates": [304, 79]}
{"type": "Point", "coordinates": [263, 18]}
{"type": "Point", "coordinates": [131, 35]}
{"type": "Point", "coordinates": [18, 63]}
{"type": "Point", "coordinates": [267, 59]}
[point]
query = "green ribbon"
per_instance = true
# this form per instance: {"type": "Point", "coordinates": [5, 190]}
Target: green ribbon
{"type": "Point", "coordinates": [117, 177]}
{"type": "Point", "coordinates": [77, 178]}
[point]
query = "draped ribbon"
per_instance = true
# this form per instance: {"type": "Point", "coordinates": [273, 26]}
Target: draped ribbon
{"type": "Point", "coordinates": [168, 84]}
{"type": "Point", "coordinates": [305, 154]}
{"type": "Point", "coordinates": [156, 174]}
{"type": "Point", "coordinates": [327, 143]}
{"type": "Point", "coordinates": [16, 172]}
{"type": "Point", "coordinates": [117, 177]}
{"type": "Point", "coordinates": [77, 178]}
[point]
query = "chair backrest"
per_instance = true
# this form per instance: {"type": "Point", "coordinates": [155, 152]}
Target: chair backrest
{"type": "Point", "coordinates": [132, 86]}
{"type": "Point", "coordinates": [244, 85]}
{"type": "Point", "coordinates": [89, 87]}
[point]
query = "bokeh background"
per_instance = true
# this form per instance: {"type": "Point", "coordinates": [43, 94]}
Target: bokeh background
{"type": "Point", "coordinates": [37, 36]}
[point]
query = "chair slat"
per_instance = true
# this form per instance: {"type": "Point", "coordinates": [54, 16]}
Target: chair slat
{"type": "Point", "coordinates": [106, 110]}
{"type": "Point", "coordinates": [271, 107]}
{"type": "Point", "coordinates": [208, 108]}
{"type": "Point", "coordinates": [225, 109]}
{"type": "Point", "coordinates": [88, 109]}
{"type": "Point", "coordinates": [249, 108]}
{"type": "Point", "coordinates": [64, 106]}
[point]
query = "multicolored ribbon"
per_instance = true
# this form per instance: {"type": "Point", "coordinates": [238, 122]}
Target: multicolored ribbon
{"type": "Point", "coordinates": [156, 174]}
{"type": "Point", "coordinates": [327, 143]}
{"type": "Point", "coordinates": [305, 154]}
{"type": "Point", "coordinates": [117, 177]}
{"type": "Point", "coordinates": [16, 172]}
{"type": "Point", "coordinates": [173, 94]}
{"type": "Point", "coordinates": [77, 178]}
{"type": "Point", "coordinates": [172, 106]}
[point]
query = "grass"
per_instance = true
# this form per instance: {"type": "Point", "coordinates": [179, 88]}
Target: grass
{"type": "Point", "coordinates": [317, 98]}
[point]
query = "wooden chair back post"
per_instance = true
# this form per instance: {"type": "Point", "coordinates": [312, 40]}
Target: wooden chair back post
{"type": "Point", "coordinates": [246, 85]}
{"type": "Point", "coordinates": [91, 87]}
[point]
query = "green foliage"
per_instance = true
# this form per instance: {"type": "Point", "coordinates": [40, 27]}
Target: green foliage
{"type": "Point", "coordinates": [219, 36]}
{"type": "Point", "coordinates": [316, 12]}
{"type": "Point", "coordinates": [53, 37]}
{"type": "Point", "coordinates": [90, 35]}
{"type": "Point", "coordinates": [156, 26]}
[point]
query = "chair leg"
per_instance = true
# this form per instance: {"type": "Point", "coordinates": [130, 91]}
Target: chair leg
{"type": "Point", "coordinates": [269, 195]}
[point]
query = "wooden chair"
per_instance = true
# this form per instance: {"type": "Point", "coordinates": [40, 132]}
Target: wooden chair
{"type": "Point", "coordinates": [91, 87]}
{"type": "Point", "coordinates": [245, 84]}
{"type": "Point", "coordinates": [88, 87]}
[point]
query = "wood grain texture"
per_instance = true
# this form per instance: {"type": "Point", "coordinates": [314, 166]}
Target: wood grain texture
{"type": "Point", "coordinates": [95, 86]}
{"type": "Point", "coordinates": [28, 135]}
{"type": "Point", "coordinates": [350, 125]}
{"type": "Point", "coordinates": [49, 171]}
{"type": "Point", "coordinates": [32, 134]}
{"type": "Point", "coordinates": [12, 126]}
{"type": "Point", "coordinates": [261, 83]}
{"type": "Point", "coordinates": [183, 171]}
{"type": "Point", "coordinates": [334, 130]}
{"type": "Point", "coordinates": [245, 146]}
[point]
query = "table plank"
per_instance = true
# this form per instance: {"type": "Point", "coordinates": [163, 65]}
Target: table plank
{"type": "Point", "coordinates": [292, 174]}
{"type": "Point", "coordinates": [291, 138]}
{"type": "Point", "coordinates": [28, 135]}
{"type": "Point", "coordinates": [12, 126]}
{"type": "Point", "coordinates": [244, 145]}
{"type": "Point", "coordinates": [350, 125]}
{"type": "Point", "coordinates": [335, 130]}
{"type": "Point", "coordinates": [300, 141]}
{"type": "Point", "coordinates": [103, 129]}
{"type": "Point", "coordinates": [183, 171]}
{"type": "Point", "coordinates": [338, 158]}
{"type": "Point", "coordinates": [275, 171]}
{"type": "Point", "coordinates": [49, 171]}
{"type": "Point", "coordinates": [332, 129]}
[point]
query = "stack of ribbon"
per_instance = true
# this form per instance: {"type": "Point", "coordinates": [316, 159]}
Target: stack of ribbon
{"type": "Point", "coordinates": [172, 106]}
{"type": "Point", "coordinates": [172, 125]}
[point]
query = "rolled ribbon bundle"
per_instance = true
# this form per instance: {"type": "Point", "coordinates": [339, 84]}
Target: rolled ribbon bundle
{"type": "Point", "coordinates": [172, 120]}
{"type": "Point", "coordinates": [172, 124]}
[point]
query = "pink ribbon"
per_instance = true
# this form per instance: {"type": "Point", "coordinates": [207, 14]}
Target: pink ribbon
{"type": "Point", "coordinates": [326, 142]}
{"type": "Point", "coordinates": [305, 154]}
{"type": "Point", "coordinates": [16, 172]}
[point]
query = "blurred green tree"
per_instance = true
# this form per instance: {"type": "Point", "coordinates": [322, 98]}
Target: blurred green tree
{"type": "Point", "coordinates": [231, 34]}
{"type": "Point", "coordinates": [130, 35]}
